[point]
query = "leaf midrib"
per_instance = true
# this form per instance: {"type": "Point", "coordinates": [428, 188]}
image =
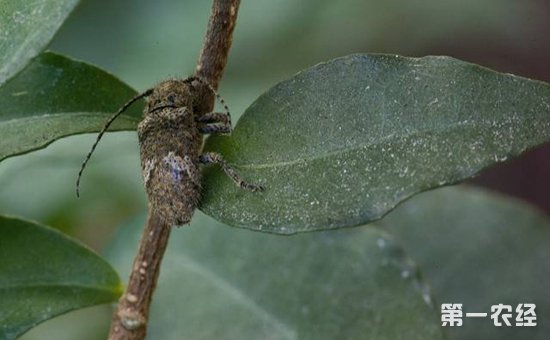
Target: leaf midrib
{"type": "Point", "coordinates": [191, 264]}
{"type": "Point", "coordinates": [451, 127]}
{"type": "Point", "coordinates": [72, 114]}
{"type": "Point", "coordinates": [52, 285]}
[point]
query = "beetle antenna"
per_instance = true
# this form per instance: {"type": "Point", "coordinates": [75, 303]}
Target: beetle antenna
{"type": "Point", "coordinates": [109, 122]}
{"type": "Point", "coordinates": [218, 97]}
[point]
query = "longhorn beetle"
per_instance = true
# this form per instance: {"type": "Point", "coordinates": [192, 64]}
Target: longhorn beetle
{"type": "Point", "coordinates": [170, 139]}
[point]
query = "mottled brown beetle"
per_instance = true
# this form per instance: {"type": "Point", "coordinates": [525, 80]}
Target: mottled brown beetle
{"type": "Point", "coordinates": [170, 139]}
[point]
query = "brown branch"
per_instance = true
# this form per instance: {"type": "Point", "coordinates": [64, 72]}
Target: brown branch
{"type": "Point", "coordinates": [217, 41]}
{"type": "Point", "coordinates": [130, 319]}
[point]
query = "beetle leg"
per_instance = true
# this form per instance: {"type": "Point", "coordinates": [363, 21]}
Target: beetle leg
{"type": "Point", "coordinates": [214, 128]}
{"type": "Point", "coordinates": [215, 117]}
{"type": "Point", "coordinates": [216, 158]}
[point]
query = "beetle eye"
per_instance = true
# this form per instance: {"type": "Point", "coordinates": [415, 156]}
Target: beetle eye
{"type": "Point", "coordinates": [171, 98]}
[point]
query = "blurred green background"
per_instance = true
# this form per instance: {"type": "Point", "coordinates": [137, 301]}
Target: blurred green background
{"type": "Point", "coordinates": [144, 42]}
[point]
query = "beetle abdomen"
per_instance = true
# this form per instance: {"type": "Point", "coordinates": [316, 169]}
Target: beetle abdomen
{"type": "Point", "coordinates": [170, 144]}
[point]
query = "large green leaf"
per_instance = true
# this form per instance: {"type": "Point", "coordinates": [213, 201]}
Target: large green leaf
{"type": "Point", "coordinates": [344, 142]}
{"type": "Point", "coordinates": [44, 273]}
{"type": "Point", "coordinates": [26, 27]}
{"type": "Point", "coordinates": [55, 97]}
{"type": "Point", "coordinates": [222, 283]}
{"type": "Point", "coordinates": [479, 249]}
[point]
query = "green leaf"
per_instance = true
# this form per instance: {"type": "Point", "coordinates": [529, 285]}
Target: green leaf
{"type": "Point", "coordinates": [90, 323]}
{"type": "Point", "coordinates": [479, 249]}
{"type": "Point", "coordinates": [26, 28]}
{"type": "Point", "coordinates": [56, 97]}
{"type": "Point", "coordinates": [222, 283]}
{"type": "Point", "coordinates": [342, 143]}
{"type": "Point", "coordinates": [45, 273]}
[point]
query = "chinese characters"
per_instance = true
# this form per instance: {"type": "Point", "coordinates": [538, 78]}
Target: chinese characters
{"type": "Point", "coordinates": [501, 314]}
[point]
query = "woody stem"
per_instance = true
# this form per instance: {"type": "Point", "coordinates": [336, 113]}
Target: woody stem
{"type": "Point", "coordinates": [217, 42]}
{"type": "Point", "coordinates": [132, 313]}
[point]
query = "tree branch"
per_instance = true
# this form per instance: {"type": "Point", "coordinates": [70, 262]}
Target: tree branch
{"type": "Point", "coordinates": [130, 319]}
{"type": "Point", "coordinates": [218, 40]}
